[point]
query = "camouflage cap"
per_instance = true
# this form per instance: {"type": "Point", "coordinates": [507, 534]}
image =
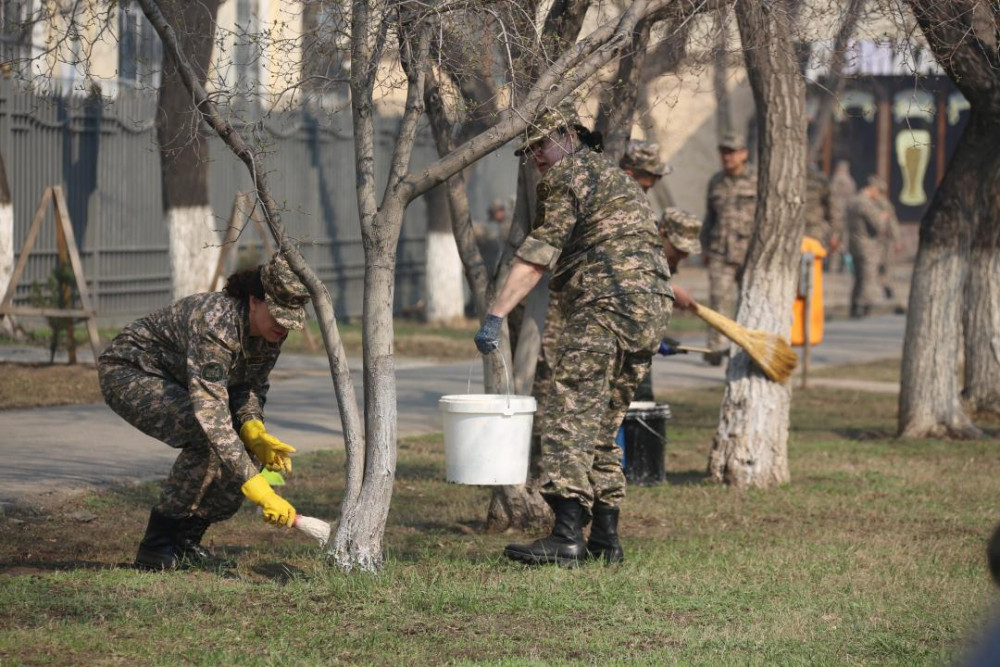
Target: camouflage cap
{"type": "Point", "coordinates": [878, 183]}
{"type": "Point", "coordinates": [681, 229]}
{"type": "Point", "coordinates": [563, 115]}
{"type": "Point", "coordinates": [644, 156]}
{"type": "Point", "coordinates": [284, 294]}
{"type": "Point", "coordinates": [732, 141]}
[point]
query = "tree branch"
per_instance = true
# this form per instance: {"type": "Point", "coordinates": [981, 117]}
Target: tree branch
{"type": "Point", "coordinates": [574, 67]}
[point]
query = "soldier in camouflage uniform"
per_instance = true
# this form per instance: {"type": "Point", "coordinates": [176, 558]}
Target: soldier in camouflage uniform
{"type": "Point", "coordinates": [596, 232]}
{"type": "Point", "coordinates": [726, 232]}
{"type": "Point", "coordinates": [195, 375]}
{"type": "Point", "coordinates": [642, 162]}
{"type": "Point", "coordinates": [842, 189]}
{"type": "Point", "coordinates": [817, 207]}
{"type": "Point", "coordinates": [870, 221]}
{"type": "Point", "coordinates": [679, 231]}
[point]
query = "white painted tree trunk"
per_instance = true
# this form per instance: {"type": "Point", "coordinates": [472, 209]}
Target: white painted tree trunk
{"type": "Point", "coordinates": [982, 332]}
{"type": "Point", "coordinates": [6, 243]}
{"type": "Point", "coordinates": [929, 403]}
{"type": "Point", "coordinates": [194, 249]}
{"type": "Point", "coordinates": [444, 278]}
{"type": "Point", "coordinates": [6, 258]}
{"type": "Point", "coordinates": [750, 448]}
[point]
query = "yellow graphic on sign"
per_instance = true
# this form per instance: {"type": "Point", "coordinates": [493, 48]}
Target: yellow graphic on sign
{"type": "Point", "coordinates": [913, 154]}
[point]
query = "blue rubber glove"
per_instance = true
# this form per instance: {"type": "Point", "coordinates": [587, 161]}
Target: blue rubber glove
{"type": "Point", "coordinates": [668, 347]}
{"type": "Point", "coordinates": [488, 337]}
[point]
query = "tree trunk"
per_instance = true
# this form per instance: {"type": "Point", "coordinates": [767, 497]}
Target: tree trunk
{"type": "Point", "coordinates": [929, 402]}
{"type": "Point", "coordinates": [982, 322]}
{"type": "Point", "coordinates": [191, 226]}
{"type": "Point", "coordinates": [750, 448]}
{"type": "Point", "coordinates": [617, 112]}
{"type": "Point", "coordinates": [982, 302]}
{"type": "Point", "coordinates": [6, 243]}
{"type": "Point", "coordinates": [443, 275]}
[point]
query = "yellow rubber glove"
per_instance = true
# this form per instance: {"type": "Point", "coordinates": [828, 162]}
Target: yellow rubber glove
{"type": "Point", "coordinates": [277, 510]}
{"type": "Point", "coordinates": [270, 451]}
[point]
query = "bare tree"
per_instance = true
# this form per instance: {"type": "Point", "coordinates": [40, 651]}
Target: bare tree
{"type": "Point", "coordinates": [750, 446]}
{"type": "Point", "coordinates": [929, 400]}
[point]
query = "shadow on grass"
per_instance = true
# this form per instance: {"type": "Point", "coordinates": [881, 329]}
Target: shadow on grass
{"type": "Point", "coordinates": [865, 434]}
{"type": "Point", "coordinates": [472, 527]}
{"type": "Point", "coordinates": [279, 573]}
{"type": "Point", "coordinates": [32, 567]}
{"type": "Point", "coordinates": [688, 478]}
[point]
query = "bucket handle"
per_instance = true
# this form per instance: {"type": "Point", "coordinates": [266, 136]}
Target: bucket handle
{"type": "Point", "coordinates": [642, 423]}
{"type": "Point", "coordinates": [508, 411]}
{"type": "Point", "coordinates": [506, 371]}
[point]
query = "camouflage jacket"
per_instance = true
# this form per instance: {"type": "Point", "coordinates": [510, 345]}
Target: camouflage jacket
{"type": "Point", "coordinates": [203, 342]}
{"type": "Point", "coordinates": [842, 189]}
{"type": "Point", "coordinates": [869, 218]}
{"type": "Point", "coordinates": [596, 231]}
{"type": "Point", "coordinates": [730, 210]}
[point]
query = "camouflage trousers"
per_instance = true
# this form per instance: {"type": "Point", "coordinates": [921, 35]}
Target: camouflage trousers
{"type": "Point", "coordinates": [198, 484]}
{"type": "Point", "coordinates": [723, 296]}
{"type": "Point", "coordinates": [584, 384]}
{"type": "Point", "coordinates": [866, 254]}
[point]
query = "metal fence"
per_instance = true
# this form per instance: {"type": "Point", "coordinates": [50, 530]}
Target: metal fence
{"type": "Point", "coordinates": [105, 157]}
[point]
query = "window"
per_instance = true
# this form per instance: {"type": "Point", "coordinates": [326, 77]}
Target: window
{"type": "Point", "coordinates": [16, 24]}
{"type": "Point", "coordinates": [139, 49]}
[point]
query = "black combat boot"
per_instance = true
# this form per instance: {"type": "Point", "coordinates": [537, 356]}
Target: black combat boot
{"type": "Point", "coordinates": [603, 543]}
{"type": "Point", "coordinates": [187, 544]}
{"type": "Point", "coordinates": [564, 546]}
{"type": "Point", "coordinates": [156, 550]}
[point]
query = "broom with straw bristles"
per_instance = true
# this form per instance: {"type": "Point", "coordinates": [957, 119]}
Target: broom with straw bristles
{"type": "Point", "coordinates": [770, 352]}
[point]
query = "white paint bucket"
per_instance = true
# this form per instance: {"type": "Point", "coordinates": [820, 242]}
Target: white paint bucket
{"type": "Point", "coordinates": [487, 438]}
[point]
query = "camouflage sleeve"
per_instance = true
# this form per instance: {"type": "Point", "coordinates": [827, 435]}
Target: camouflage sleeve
{"type": "Point", "coordinates": [554, 222]}
{"type": "Point", "coordinates": [247, 400]}
{"type": "Point", "coordinates": [208, 370]}
{"type": "Point", "coordinates": [870, 214]}
{"type": "Point", "coordinates": [892, 224]}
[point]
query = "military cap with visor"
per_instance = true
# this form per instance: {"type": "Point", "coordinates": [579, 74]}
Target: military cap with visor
{"type": "Point", "coordinates": [682, 229]}
{"type": "Point", "coordinates": [547, 122]}
{"type": "Point", "coordinates": [644, 156]}
{"type": "Point", "coordinates": [732, 141]}
{"type": "Point", "coordinates": [284, 293]}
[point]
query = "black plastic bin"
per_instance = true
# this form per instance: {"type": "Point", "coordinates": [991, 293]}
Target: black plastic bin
{"type": "Point", "coordinates": [643, 439]}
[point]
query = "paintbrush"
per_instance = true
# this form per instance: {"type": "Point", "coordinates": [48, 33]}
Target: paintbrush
{"type": "Point", "coordinates": [317, 529]}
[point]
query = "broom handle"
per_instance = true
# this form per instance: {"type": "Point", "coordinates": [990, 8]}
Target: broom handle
{"type": "Point", "coordinates": [700, 311]}
{"type": "Point", "coordinates": [692, 348]}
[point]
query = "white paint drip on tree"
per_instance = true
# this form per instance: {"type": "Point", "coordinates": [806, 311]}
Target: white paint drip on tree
{"type": "Point", "coordinates": [444, 278]}
{"type": "Point", "coordinates": [194, 249]}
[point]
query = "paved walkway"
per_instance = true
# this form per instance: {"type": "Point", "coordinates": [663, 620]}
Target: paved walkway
{"type": "Point", "coordinates": [56, 449]}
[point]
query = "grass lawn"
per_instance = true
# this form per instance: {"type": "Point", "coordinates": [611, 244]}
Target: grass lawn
{"type": "Point", "coordinates": [874, 554]}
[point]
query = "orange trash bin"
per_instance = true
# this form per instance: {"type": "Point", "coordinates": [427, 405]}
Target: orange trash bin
{"type": "Point", "coordinates": [798, 337]}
